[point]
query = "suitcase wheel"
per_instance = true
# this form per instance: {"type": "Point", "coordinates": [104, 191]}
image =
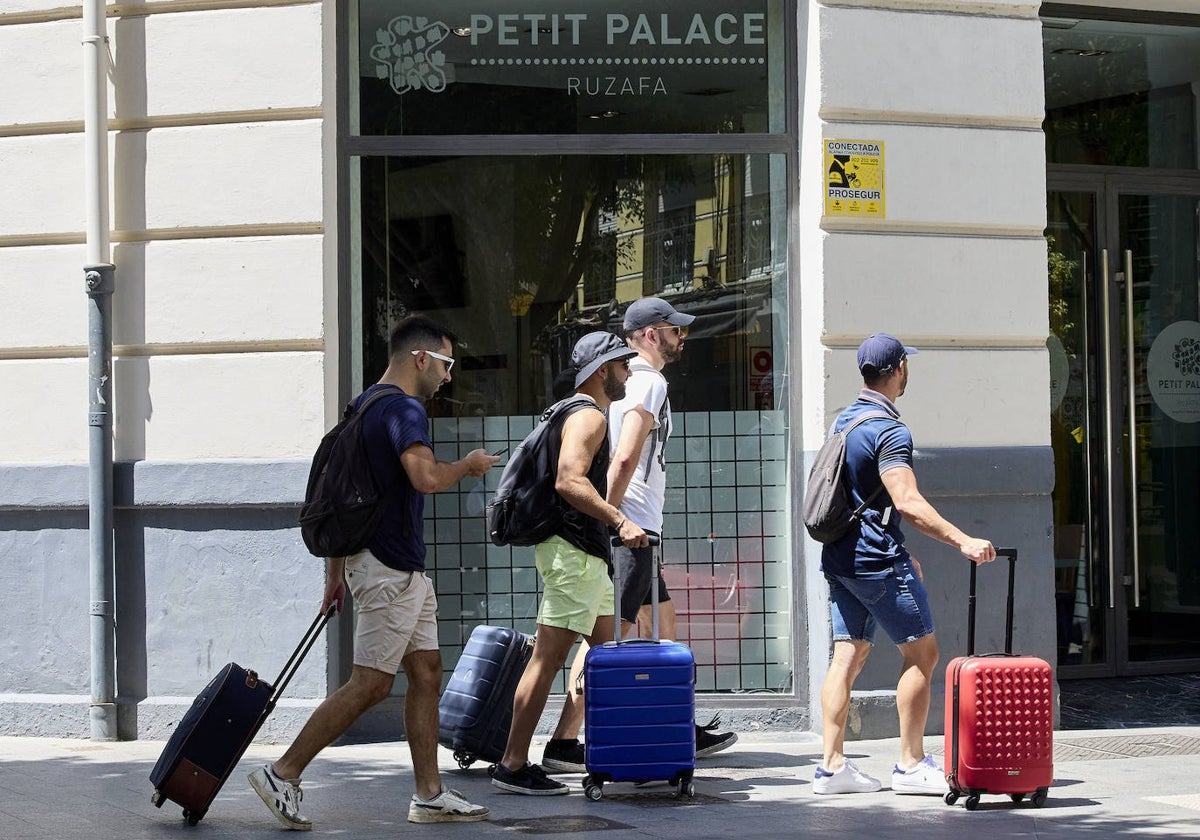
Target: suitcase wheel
{"type": "Point", "coordinates": [464, 759]}
{"type": "Point", "coordinates": [1017, 797]}
{"type": "Point", "coordinates": [972, 801]}
{"type": "Point", "coordinates": [1039, 797]}
{"type": "Point", "coordinates": [156, 799]}
{"type": "Point", "coordinates": [951, 797]}
{"type": "Point", "coordinates": [686, 788]}
{"type": "Point", "coordinates": [592, 789]}
{"type": "Point", "coordinates": [192, 818]}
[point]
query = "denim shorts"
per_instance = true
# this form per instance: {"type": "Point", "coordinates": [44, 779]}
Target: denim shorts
{"type": "Point", "coordinates": [898, 603]}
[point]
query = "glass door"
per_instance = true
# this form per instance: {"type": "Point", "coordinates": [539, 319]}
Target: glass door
{"type": "Point", "coordinates": [1157, 280]}
{"type": "Point", "coordinates": [1124, 348]}
{"type": "Point", "coordinates": [1078, 427]}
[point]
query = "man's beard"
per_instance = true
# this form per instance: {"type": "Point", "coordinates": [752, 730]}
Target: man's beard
{"type": "Point", "coordinates": [672, 354]}
{"type": "Point", "coordinates": [614, 388]}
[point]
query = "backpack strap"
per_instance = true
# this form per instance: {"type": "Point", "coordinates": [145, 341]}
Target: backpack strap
{"type": "Point", "coordinates": [862, 418]}
{"type": "Point", "coordinates": [385, 391]}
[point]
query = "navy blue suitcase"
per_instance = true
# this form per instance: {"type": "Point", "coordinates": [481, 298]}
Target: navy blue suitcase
{"type": "Point", "coordinates": [639, 699]}
{"type": "Point", "coordinates": [215, 731]}
{"type": "Point", "coordinates": [475, 711]}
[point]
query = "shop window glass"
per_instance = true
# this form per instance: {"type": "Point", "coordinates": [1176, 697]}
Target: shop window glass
{"type": "Point", "coordinates": [1121, 94]}
{"type": "Point", "coordinates": [520, 256]}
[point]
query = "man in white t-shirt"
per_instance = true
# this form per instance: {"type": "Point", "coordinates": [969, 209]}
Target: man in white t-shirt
{"type": "Point", "coordinates": [638, 428]}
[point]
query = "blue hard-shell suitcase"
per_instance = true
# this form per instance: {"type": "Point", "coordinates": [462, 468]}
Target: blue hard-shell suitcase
{"type": "Point", "coordinates": [640, 711]}
{"type": "Point", "coordinates": [214, 733]}
{"type": "Point", "coordinates": [475, 711]}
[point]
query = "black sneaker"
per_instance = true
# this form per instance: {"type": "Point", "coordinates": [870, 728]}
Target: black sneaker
{"type": "Point", "coordinates": [565, 756]}
{"type": "Point", "coordinates": [530, 780]}
{"type": "Point", "coordinates": [710, 742]}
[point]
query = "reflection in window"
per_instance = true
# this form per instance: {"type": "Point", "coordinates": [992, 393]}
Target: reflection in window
{"type": "Point", "coordinates": [520, 256]}
{"type": "Point", "coordinates": [1121, 94]}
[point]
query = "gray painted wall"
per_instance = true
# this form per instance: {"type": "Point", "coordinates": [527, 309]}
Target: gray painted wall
{"type": "Point", "coordinates": [211, 568]}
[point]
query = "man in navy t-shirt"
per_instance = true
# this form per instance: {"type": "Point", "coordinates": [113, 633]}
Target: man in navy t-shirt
{"type": "Point", "coordinates": [397, 607]}
{"type": "Point", "coordinates": [874, 581]}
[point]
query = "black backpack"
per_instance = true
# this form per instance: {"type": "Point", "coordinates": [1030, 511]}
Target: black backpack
{"type": "Point", "coordinates": [343, 502]}
{"type": "Point", "coordinates": [526, 509]}
{"type": "Point", "coordinates": [827, 512]}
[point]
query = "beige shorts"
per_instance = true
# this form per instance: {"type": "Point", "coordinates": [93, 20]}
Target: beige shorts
{"type": "Point", "coordinates": [396, 613]}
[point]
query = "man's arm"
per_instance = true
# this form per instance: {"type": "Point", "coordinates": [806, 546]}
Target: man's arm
{"type": "Point", "coordinates": [335, 584]}
{"type": "Point", "coordinates": [429, 475]}
{"type": "Point", "coordinates": [635, 426]}
{"type": "Point", "coordinates": [901, 485]}
{"type": "Point", "coordinates": [583, 434]}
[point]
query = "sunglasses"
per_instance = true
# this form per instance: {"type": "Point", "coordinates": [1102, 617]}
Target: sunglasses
{"type": "Point", "coordinates": [448, 361]}
{"type": "Point", "coordinates": [679, 331]}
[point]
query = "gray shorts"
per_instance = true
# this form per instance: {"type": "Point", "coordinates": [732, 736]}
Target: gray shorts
{"type": "Point", "coordinates": [636, 566]}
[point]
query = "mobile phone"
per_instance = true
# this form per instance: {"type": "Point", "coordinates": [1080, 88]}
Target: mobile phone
{"type": "Point", "coordinates": [499, 452]}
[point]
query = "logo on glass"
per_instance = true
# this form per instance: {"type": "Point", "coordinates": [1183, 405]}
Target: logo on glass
{"type": "Point", "coordinates": [406, 54]}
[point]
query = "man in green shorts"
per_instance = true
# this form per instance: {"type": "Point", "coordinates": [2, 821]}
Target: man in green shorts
{"type": "Point", "coordinates": [577, 596]}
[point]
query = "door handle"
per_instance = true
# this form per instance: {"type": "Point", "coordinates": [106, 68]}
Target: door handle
{"type": "Point", "coordinates": [1133, 467]}
{"type": "Point", "coordinates": [1086, 424]}
{"type": "Point", "coordinates": [1109, 447]}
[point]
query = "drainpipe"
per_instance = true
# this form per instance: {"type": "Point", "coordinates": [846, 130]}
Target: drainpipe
{"type": "Point", "coordinates": [99, 278]}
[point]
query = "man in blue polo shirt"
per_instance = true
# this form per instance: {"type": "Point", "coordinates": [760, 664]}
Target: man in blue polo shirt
{"type": "Point", "coordinates": [873, 580]}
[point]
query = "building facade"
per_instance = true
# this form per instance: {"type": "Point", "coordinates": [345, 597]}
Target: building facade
{"type": "Point", "coordinates": [1011, 187]}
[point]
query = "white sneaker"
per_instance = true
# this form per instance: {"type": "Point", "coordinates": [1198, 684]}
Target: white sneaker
{"type": "Point", "coordinates": [282, 796]}
{"type": "Point", "coordinates": [447, 806]}
{"type": "Point", "coordinates": [926, 778]}
{"type": "Point", "coordinates": [847, 780]}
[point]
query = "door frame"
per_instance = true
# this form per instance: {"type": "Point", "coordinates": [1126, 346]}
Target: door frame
{"type": "Point", "coordinates": [1108, 184]}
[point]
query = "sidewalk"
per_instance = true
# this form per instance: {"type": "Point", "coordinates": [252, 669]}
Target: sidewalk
{"type": "Point", "coordinates": [1111, 782]}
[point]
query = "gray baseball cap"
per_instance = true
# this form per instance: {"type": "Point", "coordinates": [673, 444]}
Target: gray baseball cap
{"type": "Point", "coordinates": [651, 310]}
{"type": "Point", "coordinates": [593, 350]}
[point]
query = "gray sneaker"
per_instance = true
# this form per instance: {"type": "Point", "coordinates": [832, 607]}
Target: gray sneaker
{"type": "Point", "coordinates": [447, 806]}
{"type": "Point", "coordinates": [282, 796]}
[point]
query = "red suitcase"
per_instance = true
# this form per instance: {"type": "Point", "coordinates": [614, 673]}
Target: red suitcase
{"type": "Point", "coordinates": [999, 716]}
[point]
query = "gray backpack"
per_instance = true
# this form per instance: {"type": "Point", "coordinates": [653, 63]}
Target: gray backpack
{"type": "Point", "coordinates": [827, 512]}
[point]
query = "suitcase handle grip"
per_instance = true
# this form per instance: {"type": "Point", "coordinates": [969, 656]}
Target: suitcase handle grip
{"type": "Point", "coordinates": [1011, 554]}
{"type": "Point", "coordinates": [655, 540]}
{"type": "Point", "coordinates": [293, 664]}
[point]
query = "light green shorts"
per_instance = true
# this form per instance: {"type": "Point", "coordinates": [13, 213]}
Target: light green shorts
{"type": "Point", "coordinates": [577, 586]}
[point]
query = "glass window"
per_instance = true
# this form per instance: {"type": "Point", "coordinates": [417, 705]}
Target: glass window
{"type": "Point", "coordinates": [520, 256]}
{"type": "Point", "coordinates": [534, 67]}
{"type": "Point", "coordinates": [1121, 94]}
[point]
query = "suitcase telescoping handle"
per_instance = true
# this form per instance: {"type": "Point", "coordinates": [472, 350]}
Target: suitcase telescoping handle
{"type": "Point", "coordinates": [293, 664]}
{"type": "Point", "coordinates": [654, 543]}
{"type": "Point", "coordinates": [1011, 554]}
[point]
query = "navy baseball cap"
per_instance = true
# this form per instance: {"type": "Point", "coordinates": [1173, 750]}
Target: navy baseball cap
{"type": "Point", "coordinates": [593, 350]}
{"type": "Point", "coordinates": [882, 353]}
{"type": "Point", "coordinates": [651, 310]}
